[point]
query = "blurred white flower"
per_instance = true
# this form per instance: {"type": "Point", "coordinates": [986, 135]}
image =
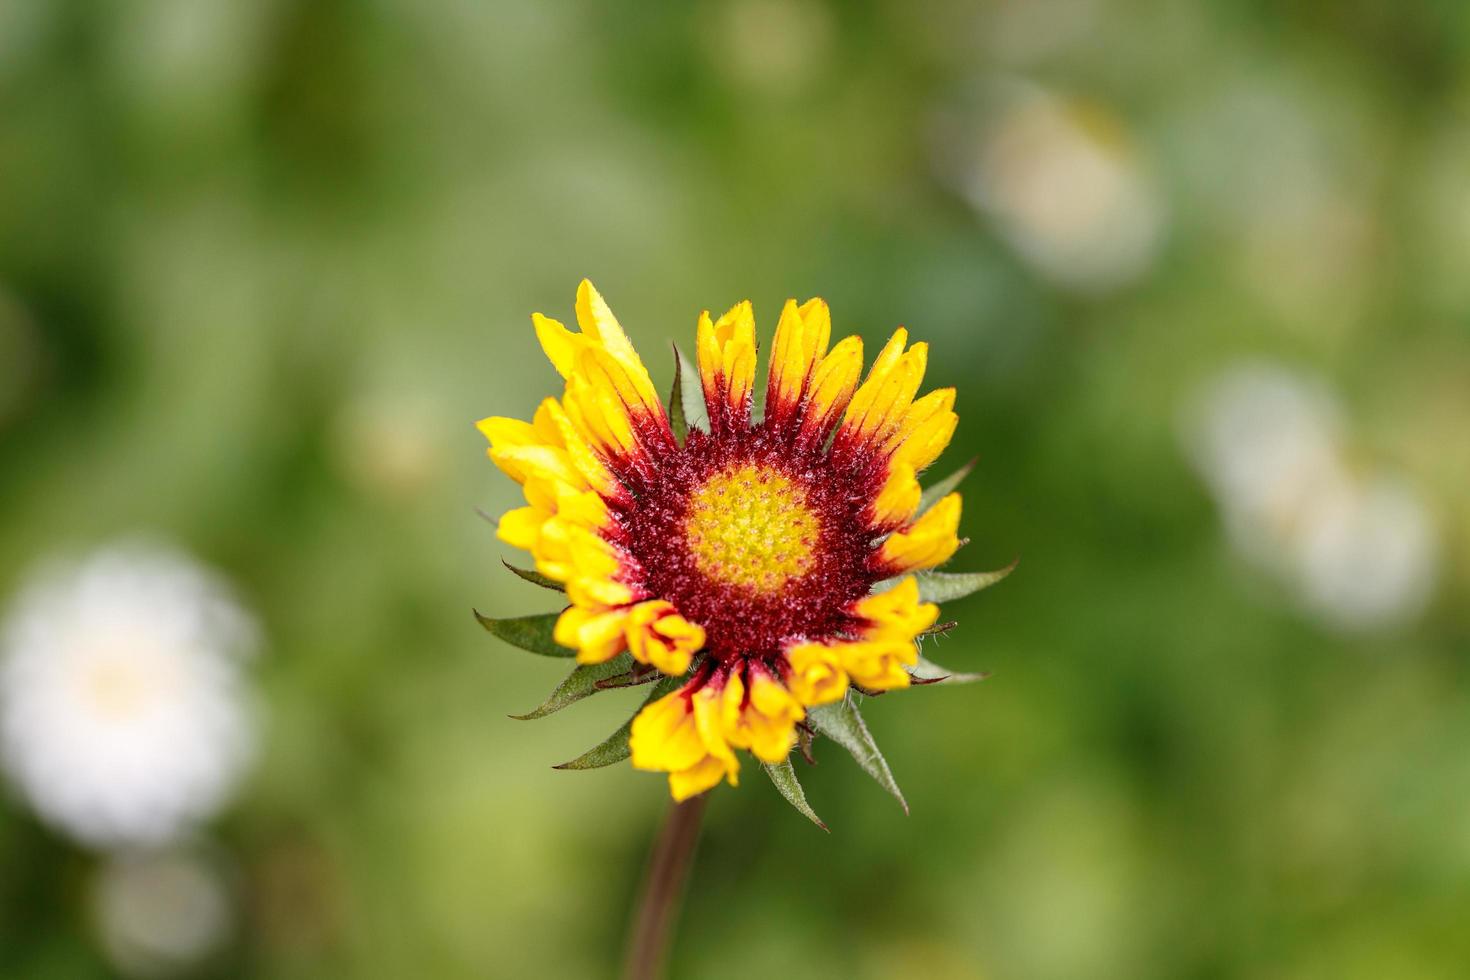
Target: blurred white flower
{"type": "Point", "coordinates": [1265, 441]}
{"type": "Point", "coordinates": [123, 712]}
{"type": "Point", "coordinates": [1367, 557]}
{"type": "Point", "coordinates": [159, 913]}
{"type": "Point", "coordinates": [1359, 551]}
{"type": "Point", "coordinates": [1063, 182]}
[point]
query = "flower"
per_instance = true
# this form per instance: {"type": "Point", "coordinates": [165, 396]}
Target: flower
{"type": "Point", "coordinates": [123, 717]}
{"type": "Point", "coordinates": [741, 557]}
{"type": "Point", "coordinates": [1355, 542]}
{"type": "Point", "coordinates": [160, 913]}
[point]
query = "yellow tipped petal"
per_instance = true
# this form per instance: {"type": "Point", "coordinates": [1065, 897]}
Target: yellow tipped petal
{"type": "Point", "coordinates": [597, 322]}
{"type": "Point", "coordinates": [611, 375]}
{"type": "Point", "coordinates": [538, 463]}
{"type": "Point", "coordinates": [560, 344]}
{"type": "Point", "coordinates": [664, 737]}
{"type": "Point", "coordinates": [706, 774]}
{"type": "Point", "coordinates": [899, 498]}
{"type": "Point", "coordinates": [707, 719]}
{"type": "Point", "coordinates": [788, 360]}
{"type": "Point", "coordinates": [521, 527]}
{"type": "Point", "coordinates": [596, 635]}
{"type": "Point", "coordinates": [818, 320]}
{"type": "Point", "coordinates": [658, 635]}
{"type": "Point", "coordinates": [767, 723]}
{"type": "Point", "coordinates": [926, 441]}
{"type": "Point", "coordinates": [896, 614]}
{"type": "Point", "coordinates": [579, 451]}
{"type": "Point", "coordinates": [504, 433]}
{"type": "Point", "coordinates": [889, 355]}
{"type": "Point", "coordinates": [799, 346]}
{"type": "Point", "coordinates": [892, 381]}
{"type": "Point", "coordinates": [833, 383]}
{"type": "Point", "coordinates": [816, 675]}
{"type": "Point", "coordinates": [680, 734]}
{"type": "Point", "coordinates": [928, 542]}
{"type": "Point", "coordinates": [878, 664]}
{"type": "Point", "coordinates": [544, 422]}
{"type": "Point", "coordinates": [726, 354]}
{"type": "Point", "coordinates": [508, 432]}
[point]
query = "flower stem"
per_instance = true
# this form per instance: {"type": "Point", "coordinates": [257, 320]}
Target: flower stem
{"type": "Point", "coordinates": [668, 868]}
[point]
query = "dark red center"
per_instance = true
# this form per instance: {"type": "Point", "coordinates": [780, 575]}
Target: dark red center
{"type": "Point", "coordinates": [739, 619]}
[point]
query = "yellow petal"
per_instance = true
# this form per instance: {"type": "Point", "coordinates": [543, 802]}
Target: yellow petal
{"type": "Point", "coordinates": [789, 364]}
{"type": "Point", "coordinates": [596, 635]}
{"type": "Point", "coordinates": [928, 542]}
{"type": "Point", "coordinates": [597, 321]}
{"type": "Point", "coordinates": [578, 451]}
{"type": "Point", "coordinates": [658, 635]}
{"type": "Point", "coordinates": [539, 462]}
{"type": "Point", "coordinates": [878, 664]}
{"type": "Point", "coordinates": [560, 344]}
{"type": "Point", "coordinates": [899, 498]}
{"type": "Point", "coordinates": [831, 389]}
{"type": "Point", "coordinates": [703, 775]}
{"type": "Point", "coordinates": [726, 354]}
{"type": "Point", "coordinates": [816, 675]}
{"type": "Point", "coordinates": [818, 320]}
{"type": "Point", "coordinates": [521, 527]}
{"type": "Point", "coordinates": [664, 736]}
{"type": "Point", "coordinates": [896, 614]}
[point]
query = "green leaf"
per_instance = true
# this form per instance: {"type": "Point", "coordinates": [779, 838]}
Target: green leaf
{"type": "Point", "coordinates": [690, 392]}
{"type": "Point", "coordinates": [530, 633]}
{"type": "Point", "coordinates": [784, 776]}
{"type": "Point", "coordinates": [535, 577]}
{"type": "Point", "coordinates": [842, 724]}
{"type": "Point", "coordinates": [932, 495]}
{"type": "Point", "coordinates": [614, 748]}
{"type": "Point", "coordinates": [928, 672]}
{"type": "Point", "coordinates": [949, 586]}
{"type": "Point", "coordinates": [582, 681]}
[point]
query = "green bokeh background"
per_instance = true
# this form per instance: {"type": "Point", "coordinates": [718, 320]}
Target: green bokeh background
{"type": "Point", "coordinates": [262, 264]}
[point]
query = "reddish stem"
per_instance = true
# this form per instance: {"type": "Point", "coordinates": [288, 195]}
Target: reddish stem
{"type": "Point", "coordinates": [663, 888]}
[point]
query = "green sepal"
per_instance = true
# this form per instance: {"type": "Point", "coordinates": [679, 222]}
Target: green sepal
{"type": "Point", "coordinates": [677, 420]}
{"type": "Point", "coordinates": [928, 672]}
{"type": "Point", "coordinates": [529, 633]}
{"type": "Point", "coordinates": [614, 748]}
{"type": "Point", "coordinates": [932, 495]}
{"type": "Point", "coordinates": [949, 586]}
{"type": "Point", "coordinates": [783, 774]}
{"type": "Point", "coordinates": [686, 401]}
{"type": "Point", "coordinates": [535, 577]}
{"type": "Point", "coordinates": [585, 679]}
{"type": "Point", "coordinates": [842, 723]}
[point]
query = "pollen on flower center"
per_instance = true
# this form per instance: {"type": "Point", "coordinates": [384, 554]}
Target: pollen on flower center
{"type": "Point", "coordinates": [751, 527]}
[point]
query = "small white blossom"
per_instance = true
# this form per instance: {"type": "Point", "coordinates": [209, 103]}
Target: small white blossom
{"type": "Point", "coordinates": [160, 912]}
{"type": "Point", "coordinates": [1359, 550]}
{"type": "Point", "coordinates": [123, 710]}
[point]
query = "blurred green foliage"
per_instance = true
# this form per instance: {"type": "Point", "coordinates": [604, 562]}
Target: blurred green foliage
{"type": "Point", "coordinates": [262, 265]}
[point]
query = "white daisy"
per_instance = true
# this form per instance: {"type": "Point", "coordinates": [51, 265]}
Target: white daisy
{"type": "Point", "coordinates": [1063, 181]}
{"type": "Point", "coordinates": [123, 712]}
{"type": "Point", "coordinates": [1358, 548]}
